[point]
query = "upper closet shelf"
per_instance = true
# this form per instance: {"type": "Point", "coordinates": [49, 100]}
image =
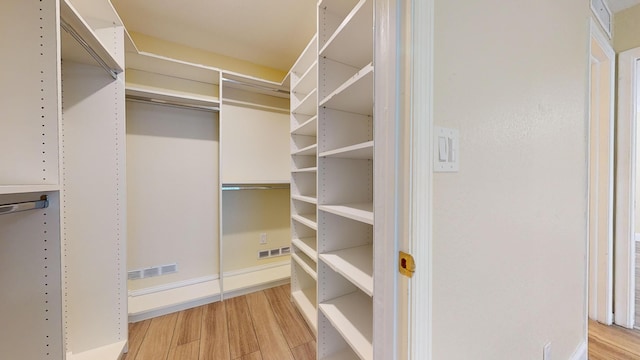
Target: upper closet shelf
{"type": "Point", "coordinates": [309, 150]}
{"type": "Point", "coordinates": [157, 64]}
{"type": "Point", "coordinates": [308, 105]}
{"type": "Point", "coordinates": [308, 128]}
{"type": "Point", "coordinates": [24, 189]}
{"type": "Point", "coordinates": [357, 151]}
{"type": "Point", "coordinates": [80, 43]}
{"type": "Point", "coordinates": [305, 62]}
{"type": "Point", "coordinates": [168, 97]}
{"type": "Point", "coordinates": [256, 85]}
{"type": "Point", "coordinates": [354, 95]}
{"type": "Point", "coordinates": [360, 212]}
{"type": "Point", "coordinates": [348, 44]}
{"type": "Point", "coordinates": [308, 81]}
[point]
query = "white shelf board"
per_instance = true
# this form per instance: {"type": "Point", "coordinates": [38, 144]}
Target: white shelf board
{"type": "Point", "coordinates": [355, 95]}
{"type": "Point", "coordinates": [339, 7]}
{"type": "Point", "coordinates": [348, 44]}
{"type": "Point", "coordinates": [24, 189]}
{"type": "Point", "coordinates": [352, 316]}
{"type": "Point", "coordinates": [306, 59]}
{"type": "Point", "coordinates": [157, 301]}
{"type": "Point", "coordinates": [308, 82]}
{"type": "Point", "coordinates": [73, 51]}
{"type": "Point", "coordinates": [307, 199]}
{"type": "Point", "coordinates": [308, 128]}
{"type": "Point", "coordinates": [255, 278]}
{"type": "Point", "coordinates": [309, 220]}
{"type": "Point", "coordinates": [172, 67]}
{"type": "Point", "coordinates": [362, 212]}
{"type": "Point", "coordinates": [108, 352]}
{"type": "Point", "coordinates": [355, 264]}
{"type": "Point", "coordinates": [305, 170]}
{"type": "Point", "coordinates": [357, 151]}
{"type": "Point", "coordinates": [347, 354]}
{"type": "Point", "coordinates": [308, 246]}
{"type": "Point", "coordinates": [307, 265]}
{"type": "Point", "coordinates": [306, 300]}
{"type": "Point", "coordinates": [309, 150]}
{"type": "Point", "coordinates": [308, 105]}
{"type": "Point", "coordinates": [161, 95]}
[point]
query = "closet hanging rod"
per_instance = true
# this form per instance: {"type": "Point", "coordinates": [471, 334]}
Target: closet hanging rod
{"type": "Point", "coordinates": [262, 87]}
{"type": "Point", "coordinates": [172, 103]}
{"type": "Point", "coordinates": [24, 206]}
{"type": "Point", "coordinates": [69, 29]}
{"type": "Point", "coordinates": [234, 187]}
{"type": "Point", "coordinates": [254, 105]}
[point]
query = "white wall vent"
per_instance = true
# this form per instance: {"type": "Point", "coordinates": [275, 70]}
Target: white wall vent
{"type": "Point", "coordinates": [152, 271]}
{"type": "Point", "coordinates": [263, 254]}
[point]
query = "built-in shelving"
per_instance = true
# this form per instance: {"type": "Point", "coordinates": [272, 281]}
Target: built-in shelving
{"type": "Point", "coordinates": [362, 212]}
{"type": "Point", "coordinates": [345, 195]}
{"type": "Point", "coordinates": [352, 316]}
{"type": "Point", "coordinates": [306, 219]}
{"type": "Point", "coordinates": [23, 189]}
{"type": "Point", "coordinates": [358, 151]}
{"type": "Point", "coordinates": [304, 169]}
{"type": "Point", "coordinates": [308, 246]}
{"type": "Point", "coordinates": [355, 264]}
{"type": "Point", "coordinates": [306, 263]}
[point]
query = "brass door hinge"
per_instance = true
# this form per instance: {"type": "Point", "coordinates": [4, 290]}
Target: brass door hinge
{"type": "Point", "coordinates": [406, 264]}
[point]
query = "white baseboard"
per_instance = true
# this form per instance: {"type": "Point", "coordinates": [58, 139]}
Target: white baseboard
{"type": "Point", "coordinates": [161, 300]}
{"type": "Point", "coordinates": [580, 353]}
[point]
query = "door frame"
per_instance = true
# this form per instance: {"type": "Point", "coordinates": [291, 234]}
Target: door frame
{"type": "Point", "coordinates": [600, 261]}
{"type": "Point", "coordinates": [626, 175]}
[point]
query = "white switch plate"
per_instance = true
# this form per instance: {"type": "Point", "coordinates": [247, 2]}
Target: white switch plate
{"type": "Point", "coordinates": [446, 150]}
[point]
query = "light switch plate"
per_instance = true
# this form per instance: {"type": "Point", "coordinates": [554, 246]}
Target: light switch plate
{"type": "Point", "coordinates": [446, 150]}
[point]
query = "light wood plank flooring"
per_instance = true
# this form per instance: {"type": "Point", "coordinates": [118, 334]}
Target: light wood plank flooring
{"type": "Point", "coordinates": [613, 342]}
{"type": "Point", "coordinates": [260, 326]}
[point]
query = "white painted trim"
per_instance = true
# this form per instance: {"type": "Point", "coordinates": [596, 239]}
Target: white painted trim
{"type": "Point", "coordinates": [173, 285]}
{"type": "Point", "coordinates": [580, 353]}
{"type": "Point", "coordinates": [626, 173]}
{"type": "Point", "coordinates": [421, 174]}
{"type": "Point", "coordinates": [386, 191]}
{"type": "Point", "coordinates": [604, 309]}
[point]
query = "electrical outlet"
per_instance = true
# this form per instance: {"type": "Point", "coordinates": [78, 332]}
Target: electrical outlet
{"type": "Point", "coordinates": [263, 238]}
{"type": "Point", "coordinates": [546, 351]}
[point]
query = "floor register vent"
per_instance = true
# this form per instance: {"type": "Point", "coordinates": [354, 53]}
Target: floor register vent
{"type": "Point", "coordinates": [152, 271]}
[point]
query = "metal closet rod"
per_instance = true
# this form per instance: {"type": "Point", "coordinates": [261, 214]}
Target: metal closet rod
{"type": "Point", "coordinates": [24, 206]}
{"type": "Point", "coordinates": [68, 28]}
{"type": "Point", "coordinates": [233, 187]}
{"type": "Point", "coordinates": [171, 103]}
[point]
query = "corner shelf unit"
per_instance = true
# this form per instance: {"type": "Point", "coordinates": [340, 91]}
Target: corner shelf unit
{"type": "Point", "coordinates": [304, 195]}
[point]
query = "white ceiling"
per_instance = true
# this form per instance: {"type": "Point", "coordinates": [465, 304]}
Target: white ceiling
{"type": "Point", "coordinates": [266, 32]}
{"type": "Point", "coordinates": [619, 5]}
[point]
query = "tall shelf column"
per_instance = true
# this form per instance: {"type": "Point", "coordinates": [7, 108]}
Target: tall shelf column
{"type": "Point", "coordinates": [304, 169]}
{"type": "Point", "coordinates": [345, 179]}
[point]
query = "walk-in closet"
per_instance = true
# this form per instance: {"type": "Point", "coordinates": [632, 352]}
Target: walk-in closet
{"type": "Point", "coordinates": [147, 181]}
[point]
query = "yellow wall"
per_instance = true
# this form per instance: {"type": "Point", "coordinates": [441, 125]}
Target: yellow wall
{"type": "Point", "coordinates": [626, 29]}
{"type": "Point", "coordinates": [153, 45]}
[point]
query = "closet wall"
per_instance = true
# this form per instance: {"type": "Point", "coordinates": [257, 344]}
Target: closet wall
{"type": "Point", "coordinates": [207, 178]}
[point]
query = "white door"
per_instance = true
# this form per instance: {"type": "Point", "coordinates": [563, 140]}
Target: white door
{"type": "Point", "coordinates": [601, 126]}
{"type": "Point", "coordinates": [627, 222]}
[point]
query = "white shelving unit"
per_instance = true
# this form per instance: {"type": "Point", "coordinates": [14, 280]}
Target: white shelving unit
{"type": "Point", "coordinates": [304, 198]}
{"type": "Point", "coordinates": [62, 274]}
{"type": "Point", "coordinates": [345, 138]}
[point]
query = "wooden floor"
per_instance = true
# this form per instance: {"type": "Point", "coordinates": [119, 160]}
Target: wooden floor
{"type": "Point", "coordinates": [613, 342]}
{"type": "Point", "coordinates": [258, 326]}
